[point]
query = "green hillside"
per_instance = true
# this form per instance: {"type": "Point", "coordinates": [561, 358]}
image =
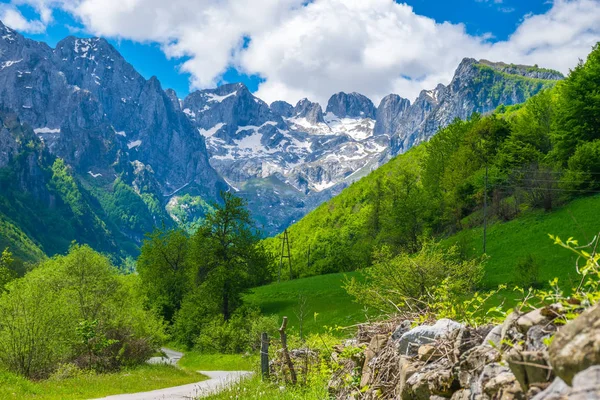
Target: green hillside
{"type": "Point", "coordinates": [522, 167]}
{"type": "Point", "coordinates": [321, 300]}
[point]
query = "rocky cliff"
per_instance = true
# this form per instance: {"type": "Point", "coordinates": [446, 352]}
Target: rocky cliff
{"type": "Point", "coordinates": [90, 107]}
{"type": "Point", "coordinates": [94, 110]}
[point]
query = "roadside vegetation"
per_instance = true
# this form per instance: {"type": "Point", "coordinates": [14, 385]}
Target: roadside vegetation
{"type": "Point", "coordinates": [405, 240]}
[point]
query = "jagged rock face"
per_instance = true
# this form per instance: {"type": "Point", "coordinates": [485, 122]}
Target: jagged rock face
{"type": "Point", "coordinates": [352, 105]}
{"type": "Point", "coordinates": [312, 112]}
{"type": "Point", "coordinates": [523, 70]}
{"type": "Point", "coordinates": [282, 108]}
{"type": "Point", "coordinates": [172, 95]}
{"type": "Point", "coordinates": [231, 105]}
{"type": "Point", "coordinates": [94, 110]}
{"type": "Point", "coordinates": [477, 86]}
{"type": "Point", "coordinates": [389, 114]}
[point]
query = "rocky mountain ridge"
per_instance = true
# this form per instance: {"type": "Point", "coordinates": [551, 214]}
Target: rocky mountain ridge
{"type": "Point", "coordinates": [287, 159]}
{"type": "Point", "coordinates": [90, 107]}
{"type": "Point", "coordinates": [86, 105]}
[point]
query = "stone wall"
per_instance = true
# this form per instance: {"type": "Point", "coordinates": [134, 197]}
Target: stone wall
{"type": "Point", "coordinates": [531, 355]}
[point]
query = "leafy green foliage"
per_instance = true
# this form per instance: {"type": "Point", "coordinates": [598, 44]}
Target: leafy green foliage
{"type": "Point", "coordinates": [6, 274]}
{"type": "Point", "coordinates": [239, 334]}
{"type": "Point", "coordinates": [578, 109]}
{"type": "Point", "coordinates": [75, 308]}
{"type": "Point", "coordinates": [164, 270]}
{"type": "Point", "coordinates": [405, 281]}
{"type": "Point", "coordinates": [196, 282]}
{"type": "Point", "coordinates": [517, 160]}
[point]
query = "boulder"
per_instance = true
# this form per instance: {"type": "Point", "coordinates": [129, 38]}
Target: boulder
{"type": "Point", "coordinates": [467, 338]}
{"type": "Point", "coordinates": [472, 363]}
{"type": "Point", "coordinates": [429, 353]}
{"type": "Point", "coordinates": [503, 386]}
{"type": "Point", "coordinates": [576, 346]}
{"type": "Point", "coordinates": [509, 327]}
{"type": "Point", "coordinates": [401, 330]}
{"type": "Point", "coordinates": [529, 367]}
{"type": "Point", "coordinates": [410, 341]}
{"type": "Point", "coordinates": [494, 337]}
{"type": "Point", "coordinates": [535, 317]}
{"type": "Point", "coordinates": [407, 369]}
{"type": "Point", "coordinates": [462, 394]}
{"type": "Point", "coordinates": [557, 389]}
{"type": "Point", "coordinates": [536, 335]}
{"type": "Point", "coordinates": [586, 384]}
{"type": "Point", "coordinates": [377, 343]}
{"type": "Point", "coordinates": [434, 379]}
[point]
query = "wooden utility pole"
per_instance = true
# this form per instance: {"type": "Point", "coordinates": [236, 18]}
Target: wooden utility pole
{"type": "Point", "coordinates": [285, 352]}
{"type": "Point", "coordinates": [308, 259]}
{"type": "Point", "coordinates": [285, 245]}
{"type": "Point", "coordinates": [264, 355]}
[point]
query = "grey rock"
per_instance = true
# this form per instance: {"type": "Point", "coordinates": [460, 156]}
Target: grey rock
{"type": "Point", "coordinates": [282, 108]}
{"type": "Point", "coordinates": [535, 317]}
{"type": "Point", "coordinates": [529, 367]}
{"type": "Point", "coordinates": [576, 345]}
{"type": "Point", "coordinates": [586, 384]}
{"type": "Point", "coordinates": [411, 341]}
{"type": "Point", "coordinates": [555, 391]}
{"type": "Point", "coordinates": [471, 365]}
{"type": "Point", "coordinates": [352, 105]}
{"type": "Point", "coordinates": [309, 110]}
{"type": "Point", "coordinates": [494, 337]}
{"type": "Point", "coordinates": [536, 336]}
{"type": "Point", "coordinates": [389, 114]}
{"type": "Point", "coordinates": [401, 329]}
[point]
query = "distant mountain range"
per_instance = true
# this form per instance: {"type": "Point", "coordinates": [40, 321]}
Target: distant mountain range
{"type": "Point", "coordinates": [137, 156]}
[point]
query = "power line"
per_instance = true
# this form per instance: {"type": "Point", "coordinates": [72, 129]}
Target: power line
{"type": "Point", "coordinates": [547, 189]}
{"type": "Point", "coordinates": [550, 172]}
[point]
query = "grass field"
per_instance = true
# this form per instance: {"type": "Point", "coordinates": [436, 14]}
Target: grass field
{"type": "Point", "coordinates": [327, 303]}
{"type": "Point", "coordinates": [89, 386]}
{"type": "Point", "coordinates": [194, 361]}
{"type": "Point", "coordinates": [510, 242]}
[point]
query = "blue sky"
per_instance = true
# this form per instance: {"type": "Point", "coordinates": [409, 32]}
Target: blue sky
{"type": "Point", "coordinates": [498, 19]}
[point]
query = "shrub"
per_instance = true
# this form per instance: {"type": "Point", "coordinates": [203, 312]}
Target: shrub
{"type": "Point", "coordinates": [75, 308]}
{"type": "Point", "coordinates": [240, 334]}
{"type": "Point", "coordinates": [527, 272]}
{"type": "Point", "coordinates": [406, 281]}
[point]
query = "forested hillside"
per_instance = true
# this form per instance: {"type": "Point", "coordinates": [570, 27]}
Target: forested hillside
{"type": "Point", "coordinates": [492, 168]}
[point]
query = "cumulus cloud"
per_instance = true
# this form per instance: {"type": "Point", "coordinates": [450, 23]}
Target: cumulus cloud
{"type": "Point", "coordinates": [315, 48]}
{"type": "Point", "coordinates": [13, 18]}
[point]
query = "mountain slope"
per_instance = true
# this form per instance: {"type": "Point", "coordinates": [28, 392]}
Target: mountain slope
{"type": "Point", "coordinates": [129, 149]}
{"type": "Point", "coordinates": [438, 187]}
{"type": "Point", "coordinates": [140, 156]}
{"type": "Point", "coordinates": [286, 160]}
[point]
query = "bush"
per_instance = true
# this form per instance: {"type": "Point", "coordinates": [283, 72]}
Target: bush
{"type": "Point", "coordinates": [240, 334]}
{"type": "Point", "coordinates": [75, 309]}
{"type": "Point", "coordinates": [405, 280]}
{"type": "Point", "coordinates": [527, 272]}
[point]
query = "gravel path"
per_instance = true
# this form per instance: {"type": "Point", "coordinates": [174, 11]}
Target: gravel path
{"type": "Point", "coordinates": [218, 380]}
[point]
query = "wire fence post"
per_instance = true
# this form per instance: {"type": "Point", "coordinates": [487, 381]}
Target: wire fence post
{"type": "Point", "coordinates": [264, 355]}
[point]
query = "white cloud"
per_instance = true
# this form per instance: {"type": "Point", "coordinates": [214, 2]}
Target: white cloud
{"type": "Point", "coordinates": [13, 18]}
{"type": "Point", "coordinates": [313, 49]}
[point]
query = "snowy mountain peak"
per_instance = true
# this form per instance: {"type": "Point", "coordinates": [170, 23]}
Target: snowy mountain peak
{"type": "Point", "coordinates": [282, 108]}
{"type": "Point", "coordinates": [351, 105]}
{"type": "Point", "coordinates": [312, 112]}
